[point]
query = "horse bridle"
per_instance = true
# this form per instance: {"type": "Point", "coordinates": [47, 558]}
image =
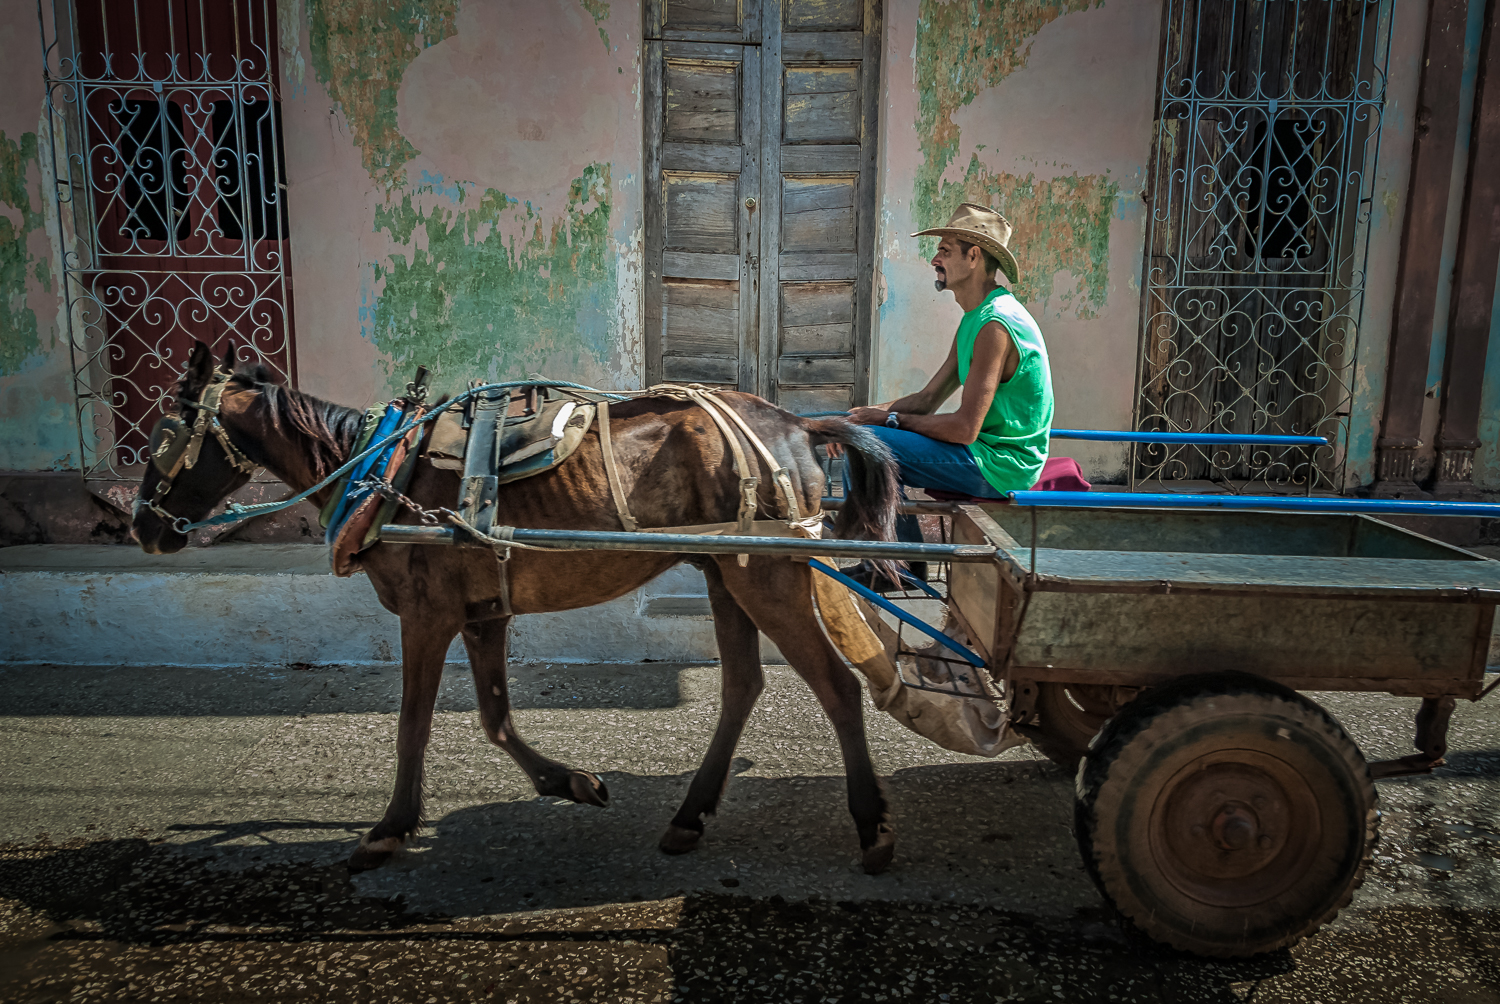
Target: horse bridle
{"type": "Point", "coordinates": [175, 445]}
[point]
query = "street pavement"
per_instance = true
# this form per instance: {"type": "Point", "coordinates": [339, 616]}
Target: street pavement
{"type": "Point", "coordinates": [174, 834]}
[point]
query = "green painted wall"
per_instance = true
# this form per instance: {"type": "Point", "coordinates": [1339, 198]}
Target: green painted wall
{"type": "Point", "coordinates": [1061, 223]}
{"type": "Point", "coordinates": [360, 49]}
{"type": "Point", "coordinates": [483, 286]}
{"type": "Point", "coordinates": [19, 336]}
{"type": "Point", "coordinates": [38, 427]}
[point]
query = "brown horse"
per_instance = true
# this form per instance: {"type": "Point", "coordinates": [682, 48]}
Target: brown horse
{"type": "Point", "coordinates": [677, 469]}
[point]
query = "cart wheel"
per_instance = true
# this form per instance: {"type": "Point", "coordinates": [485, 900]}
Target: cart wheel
{"type": "Point", "coordinates": [1225, 815]}
{"type": "Point", "coordinates": [1069, 715]}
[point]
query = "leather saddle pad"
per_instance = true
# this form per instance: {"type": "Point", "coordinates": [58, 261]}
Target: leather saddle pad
{"type": "Point", "coordinates": [535, 435]}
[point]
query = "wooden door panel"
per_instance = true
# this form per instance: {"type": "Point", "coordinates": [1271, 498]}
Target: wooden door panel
{"type": "Point", "coordinates": [702, 131]}
{"type": "Point", "coordinates": [817, 317]}
{"type": "Point", "coordinates": [701, 341]}
{"type": "Point", "coordinates": [822, 159]}
{"type": "Point", "coordinates": [702, 101]}
{"type": "Point", "coordinates": [811, 400]}
{"type": "Point", "coordinates": [734, 21]}
{"type": "Point", "coordinates": [801, 370]}
{"type": "Point", "coordinates": [702, 15]}
{"type": "Point", "coordinates": [813, 15]}
{"type": "Point", "coordinates": [822, 46]}
{"type": "Point", "coordinates": [821, 105]}
{"type": "Point", "coordinates": [815, 266]}
{"type": "Point", "coordinates": [690, 157]}
{"type": "Point", "coordinates": [701, 212]}
{"type": "Point", "coordinates": [817, 214]}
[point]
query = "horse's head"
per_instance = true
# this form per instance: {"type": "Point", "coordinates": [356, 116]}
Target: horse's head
{"type": "Point", "coordinates": [193, 462]}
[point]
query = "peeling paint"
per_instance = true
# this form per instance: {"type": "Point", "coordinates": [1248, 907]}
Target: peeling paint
{"type": "Point", "coordinates": [1061, 224]}
{"type": "Point", "coordinates": [20, 337]}
{"type": "Point", "coordinates": [599, 11]}
{"type": "Point", "coordinates": [289, 28]}
{"type": "Point", "coordinates": [360, 49]}
{"type": "Point", "coordinates": [486, 286]}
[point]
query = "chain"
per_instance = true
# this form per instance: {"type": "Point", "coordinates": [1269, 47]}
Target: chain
{"type": "Point", "coordinates": [383, 488]}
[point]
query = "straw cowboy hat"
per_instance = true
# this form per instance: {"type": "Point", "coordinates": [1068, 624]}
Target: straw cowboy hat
{"type": "Point", "coordinates": [982, 226]}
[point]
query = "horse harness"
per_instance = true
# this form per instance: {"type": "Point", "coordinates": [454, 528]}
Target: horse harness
{"type": "Point", "coordinates": [175, 445]}
{"type": "Point", "coordinates": [523, 433]}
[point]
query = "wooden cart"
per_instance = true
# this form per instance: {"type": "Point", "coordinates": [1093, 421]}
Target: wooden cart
{"type": "Point", "coordinates": [1162, 651]}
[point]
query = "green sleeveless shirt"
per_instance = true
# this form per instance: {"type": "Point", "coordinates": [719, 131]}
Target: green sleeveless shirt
{"type": "Point", "coordinates": [1012, 443]}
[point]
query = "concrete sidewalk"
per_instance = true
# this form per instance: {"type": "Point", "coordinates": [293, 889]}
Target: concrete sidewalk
{"type": "Point", "coordinates": [278, 604]}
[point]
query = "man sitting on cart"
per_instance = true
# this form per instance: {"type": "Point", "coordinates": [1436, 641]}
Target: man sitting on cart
{"type": "Point", "coordinates": [996, 442]}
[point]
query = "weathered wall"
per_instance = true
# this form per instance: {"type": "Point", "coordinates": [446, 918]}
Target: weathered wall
{"type": "Point", "coordinates": [38, 430]}
{"type": "Point", "coordinates": [1386, 219]}
{"type": "Point", "coordinates": [1387, 213]}
{"type": "Point", "coordinates": [464, 191]}
{"type": "Point", "coordinates": [1041, 109]}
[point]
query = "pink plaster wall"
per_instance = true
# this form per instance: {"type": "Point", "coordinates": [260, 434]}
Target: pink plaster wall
{"type": "Point", "coordinates": [520, 100]}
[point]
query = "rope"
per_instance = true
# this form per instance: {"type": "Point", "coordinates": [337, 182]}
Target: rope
{"type": "Point", "coordinates": [236, 512]}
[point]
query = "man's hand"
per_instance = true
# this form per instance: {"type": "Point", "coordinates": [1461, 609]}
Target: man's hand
{"type": "Point", "coordinates": [868, 416]}
{"type": "Point", "coordinates": [860, 416]}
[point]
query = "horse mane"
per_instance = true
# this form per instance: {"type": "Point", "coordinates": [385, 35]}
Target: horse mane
{"type": "Point", "coordinates": [328, 430]}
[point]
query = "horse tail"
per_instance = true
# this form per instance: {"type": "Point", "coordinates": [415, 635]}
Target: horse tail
{"type": "Point", "coordinates": [874, 498]}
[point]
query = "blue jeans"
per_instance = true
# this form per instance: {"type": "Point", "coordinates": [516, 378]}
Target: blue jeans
{"type": "Point", "coordinates": [931, 463]}
{"type": "Point", "coordinates": [928, 463]}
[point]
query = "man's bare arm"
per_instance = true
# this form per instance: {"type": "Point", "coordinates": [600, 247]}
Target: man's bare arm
{"type": "Point", "coordinates": [924, 402]}
{"type": "Point", "coordinates": [992, 351]}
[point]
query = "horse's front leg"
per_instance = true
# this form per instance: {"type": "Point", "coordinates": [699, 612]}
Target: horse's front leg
{"type": "Point", "coordinates": [488, 645]}
{"type": "Point", "coordinates": [424, 643]}
{"type": "Point", "coordinates": [777, 594]}
{"type": "Point", "coordinates": [741, 682]}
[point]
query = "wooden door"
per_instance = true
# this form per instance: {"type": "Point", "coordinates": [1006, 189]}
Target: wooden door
{"type": "Point", "coordinates": [760, 145]}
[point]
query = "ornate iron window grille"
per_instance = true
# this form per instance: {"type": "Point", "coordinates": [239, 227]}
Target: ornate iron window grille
{"type": "Point", "coordinates": [1266, 139]}
{"type": "Point", "coordinates": [164, 131]}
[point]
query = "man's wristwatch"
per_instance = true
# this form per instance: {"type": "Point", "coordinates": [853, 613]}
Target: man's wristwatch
{"type": "Point", "coordinates": [892, 420]}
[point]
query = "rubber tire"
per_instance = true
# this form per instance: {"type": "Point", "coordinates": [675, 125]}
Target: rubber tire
{"type": "Point", "coordinates": [1135, 792]}
{"type": "Point", "coordinates": [1063, 731]}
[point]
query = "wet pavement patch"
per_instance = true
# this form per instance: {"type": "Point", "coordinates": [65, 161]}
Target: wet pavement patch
{"type": "Point", "coordinates": [137, 920]}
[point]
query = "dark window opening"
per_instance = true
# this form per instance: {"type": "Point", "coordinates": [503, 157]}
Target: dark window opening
{"type": "Point", "coordinates": [252, 185]}
{"type": "Point", "coordinates": [154, 168]}
{"type": "Point", "coordinates": [1279, 190]}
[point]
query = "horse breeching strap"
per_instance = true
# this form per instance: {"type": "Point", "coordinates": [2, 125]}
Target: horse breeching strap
{"type": "Point", "coordinates": [727, 420]}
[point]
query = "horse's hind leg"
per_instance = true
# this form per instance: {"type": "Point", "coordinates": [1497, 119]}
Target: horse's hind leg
{"type": "Point", "coordinates": [424, 642]}
{"type": "Point", "coordinates": [777, 594]}
{"type": "Point", "coordinates": [741, 682]}
{"type": "Point", "coordinates": [488, 645]}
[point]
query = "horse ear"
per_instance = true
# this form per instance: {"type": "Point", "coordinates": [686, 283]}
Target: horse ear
{"type": "Point", "coordinates": [229, 356]}
{"type": "Point", "coordinates": [200, 364]}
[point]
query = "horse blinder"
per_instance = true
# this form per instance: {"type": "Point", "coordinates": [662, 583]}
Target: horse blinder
{"type": "Point", "coordinates": [170, 439]}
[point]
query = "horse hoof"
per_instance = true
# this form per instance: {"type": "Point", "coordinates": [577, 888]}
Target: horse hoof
{"type": "Point", "coordinates": [877, 857]}
{"type": "Point", "coordinates": [678, 840]}
{"type": "Point", "coordinates": [587, 789]}
{"type": "Point", "coordinates": [373, 854]}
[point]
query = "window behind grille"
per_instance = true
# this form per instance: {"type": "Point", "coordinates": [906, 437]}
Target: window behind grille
{"type": "Point", "coordinates": [254, 190]}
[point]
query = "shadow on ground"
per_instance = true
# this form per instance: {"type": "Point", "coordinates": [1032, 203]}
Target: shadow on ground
{"type": "Point", "coordinates": [132, 919]}
{"type": "Point", "coordinates": [153, 923]}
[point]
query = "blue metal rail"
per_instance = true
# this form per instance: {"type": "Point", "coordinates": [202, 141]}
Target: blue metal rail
{"type": "Point", "coordinates": [1205, 438]}
{"type": "Point", "coordinates": [1281, 503]}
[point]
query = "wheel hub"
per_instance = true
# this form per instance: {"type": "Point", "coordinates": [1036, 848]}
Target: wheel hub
{"type": "Point", "coordinates": [1232, 829]}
